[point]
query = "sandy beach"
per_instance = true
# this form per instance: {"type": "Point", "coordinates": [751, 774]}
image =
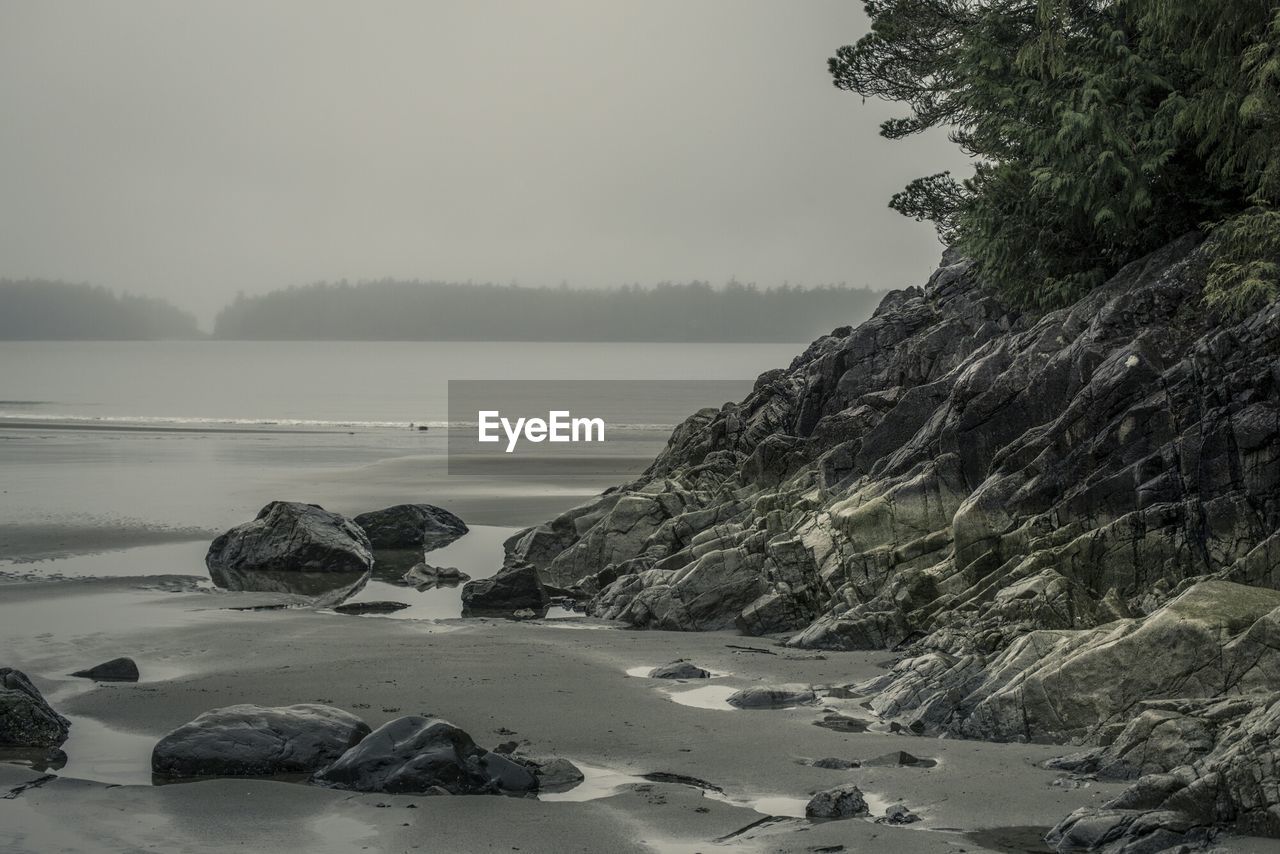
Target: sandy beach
{"type": "Point", "coordinates": [560, 687]}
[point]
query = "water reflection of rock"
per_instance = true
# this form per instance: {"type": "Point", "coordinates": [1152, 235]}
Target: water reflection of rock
{"type": "Point", "coordinates": [326, 588]}
{"type": "Point", "coordinates": [390, 565]}
{"type": "Point", "coordinates": [40, 759]}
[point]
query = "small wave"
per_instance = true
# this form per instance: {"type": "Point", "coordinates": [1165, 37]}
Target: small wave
{"type": "Point", "coordinates": [295, 423]}
{"type": "Point", "coordinates": [200, 421]}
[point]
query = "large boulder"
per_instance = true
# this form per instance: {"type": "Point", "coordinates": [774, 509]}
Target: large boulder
{"type": "Point", "coordinates": [512, 589]}
{"type": "Point", "coordinates": [287, 536]}
{"type": "Point", "coordinates": [248, 740]}
{"type": "Point", "coordinates": [26, 720]}
{"type": "Point", "coordinates": [416, 754]}
{"type": "Point", "coordinates": [411, 526]}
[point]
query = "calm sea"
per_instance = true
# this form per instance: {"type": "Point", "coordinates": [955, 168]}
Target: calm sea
{"type": "Point", "coordinates": [108, 441]}
{"type": "Point", "coordinates": [322, 384]}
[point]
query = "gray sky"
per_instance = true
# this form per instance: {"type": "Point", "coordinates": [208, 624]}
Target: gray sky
{"type": "Point", "coordinates": [190, 150]}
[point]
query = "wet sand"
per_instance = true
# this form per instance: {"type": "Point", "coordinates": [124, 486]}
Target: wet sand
{"type": "Point", "coordinates": [561, 686]}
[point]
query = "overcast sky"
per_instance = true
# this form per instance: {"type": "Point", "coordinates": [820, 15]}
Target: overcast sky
{"type": "Point", "coordinates": [191, 150]}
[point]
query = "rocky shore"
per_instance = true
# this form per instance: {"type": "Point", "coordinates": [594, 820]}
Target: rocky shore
{"type": "Point", "coordinates": [1066, 528]}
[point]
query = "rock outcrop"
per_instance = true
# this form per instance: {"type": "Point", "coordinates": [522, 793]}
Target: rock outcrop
{"type": "Point", "coordinates": [410, 526]}
{"type": "Point", "coordinates": [287, 536]}
{"type": "Point", "coordinates": [248, 740]}
{"type": "Point", "coordinates": [1018, 504]}
{"type": "Point", "coordinates": [26, 720]}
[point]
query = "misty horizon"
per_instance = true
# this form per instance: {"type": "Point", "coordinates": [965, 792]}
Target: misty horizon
{"type": "Point", "coordinates": [193, 152]}
{"type": "Point", "coordinates": [417, 310]}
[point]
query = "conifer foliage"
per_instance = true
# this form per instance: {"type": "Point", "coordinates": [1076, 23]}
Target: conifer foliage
{"type": "Point", "coordinates": [1100, 130]}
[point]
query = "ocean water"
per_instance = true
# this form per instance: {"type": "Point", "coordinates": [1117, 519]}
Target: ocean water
{"type": "Point", "coordinates": [322, 384]}
{"type": "Point", "coordinates": [113, 444]}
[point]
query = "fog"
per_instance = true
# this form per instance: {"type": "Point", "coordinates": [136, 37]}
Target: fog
{"type": "Point", "coordinates": [191, 151]}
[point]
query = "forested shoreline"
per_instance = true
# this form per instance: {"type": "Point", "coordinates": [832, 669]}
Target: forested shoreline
{"type": "Point", "coordinates": [41, 309]}
{"type": "Point", "coordinates": [441, 311]}
{"type": "Point", "coordinates": [394, 310]}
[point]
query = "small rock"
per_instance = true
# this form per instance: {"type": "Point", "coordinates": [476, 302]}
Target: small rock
{"type": "Point", "coordinates": [899, 758]}
{"type": "Point", "coordinates": [898, 814]}
{"type": "Point", "coordinates": [116, 670]}
{"type": "Point", "coordinates": [424, 575]}
{"type": "Point", "coordinates": [524, 614]}
{"type": "Point", "coordinates": [835, 764]}
{"type": "Point", "coordinates": [679, 669]}
{"type": "Point", "coordinates": [771, 697]}
{"type": "Point", "coordinates": [558, 775]}
{"type": "Point", "coordinates": [841, 802]}
{"type": "Point", "coordinates": [370, 607]}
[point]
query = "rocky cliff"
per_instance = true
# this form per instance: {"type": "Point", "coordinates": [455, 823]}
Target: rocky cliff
{"type": "Point", "coordinates": [1026, 507]}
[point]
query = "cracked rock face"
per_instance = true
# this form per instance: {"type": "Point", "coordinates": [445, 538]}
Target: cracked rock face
{"type": "Point", "coordinates": [248, 740]}
{"type": "Point", "coordinates": [26, 720]}
{"type": "Point", "coordinates": [1225, 774]}
{"type": "Point", "coordinates": [290, 537]}
{"type": "Point", "coordinates": [1019, 504]}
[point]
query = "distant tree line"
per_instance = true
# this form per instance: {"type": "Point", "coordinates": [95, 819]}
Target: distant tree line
{"type": "Point", "coordinates": [38, 309]}
{"type": "Point", "coordinates": [440, 311]}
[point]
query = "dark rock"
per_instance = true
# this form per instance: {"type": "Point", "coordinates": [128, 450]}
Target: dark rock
{"type": "Point", "coordinates": [411, 526]}
{"type": "Point", "coordinates": [26, 720]}
{"type": "Point", "coordinates": [841, 802]}
{"type": "Point", "coordinates": [842, 723]}
{"type": "Point", "coordinates": [558, 775]}
{"type": "Point", "coordinates": [898, 759]}
{"type": "Point", "coordinates": [290, 537]}
{"type": "Point", "coordinates": [247, 740]}
{"type": "Point", "coordinates": [370, 607]}
{"type": "Point", "coordinates": [772, 697]}
{"type": "Point", "coordinates": [424, 576]}
{"type": "Point", "coordinates": [116, 670]}
{"type": "Point", "coordinates": [898, 814]}
{"type": "Point", "coordinates": [415, 754]}
{"type": "Point", "coordinates": [511, 589]}
{"type": "Point", "coordinates": [679, 669]}
{"type": "Point", "coordinates": [681, 779]}
{"type": "Point", "coordinates": [833, 764]}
